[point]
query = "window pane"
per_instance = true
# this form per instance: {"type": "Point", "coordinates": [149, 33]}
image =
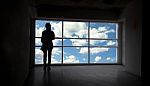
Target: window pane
{"type": "Point", "coordinates": [55, 58]}
{"type": "Point", "coordinates": [103, 43]}
{"type": "Point", "coordinates": [38, 56]}
{"type": "Point", "coordinates": [103, 55]}
{"type": "Point", "coordinates": [75, 55]}
{"type": "Point", "coordinates": [39, 27]}
{"type": "Point", "coordinates": [56, 55]}
{"type": "Point", "coordinates": [56, 26]}
{"type": "Point", "coordinates": [57, 42]}
{"type": "Point", "coordinates": [75, 29]}
{"type": "Point", "coordinates": [38, 42]}
{"type": "Point", "coordinates": [75, 42]}
{"type": "Point", "coordinates": [103, 30]}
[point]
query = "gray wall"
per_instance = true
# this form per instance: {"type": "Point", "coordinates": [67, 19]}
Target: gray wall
{"type": "Point", "coordinates": [132, 37]}
{"type": "Point", "coordinates": [15, 41]}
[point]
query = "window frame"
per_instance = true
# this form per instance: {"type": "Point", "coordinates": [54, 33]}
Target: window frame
{"type": "Point", "coordinates": [119, 48]}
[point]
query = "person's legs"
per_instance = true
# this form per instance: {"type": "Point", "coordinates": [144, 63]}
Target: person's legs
{"type": "Point", "coordinates": [49, 58]}
{"type": "Point", "coordinates": [45, 58]}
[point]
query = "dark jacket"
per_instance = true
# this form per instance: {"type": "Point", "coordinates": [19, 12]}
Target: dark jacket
{"type": "Point", "coordinates": [47, 37]}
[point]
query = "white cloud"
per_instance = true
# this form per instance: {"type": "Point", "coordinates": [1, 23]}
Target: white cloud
{"type": "Point", "coordinates": [94, 42]}
{"type": "Point", "coordinates": [56, 51]}
{"type": "Point", "coordinates": [109, 31]}
{"type": "Point", "coordinates": [98, 50]}
{"type": "Point", "coordinates": [108, 58]}
{"type": "Point", "coordinates": [39, 31]}
{"type": "Point", "coordinates": [57, 41]}
{"type": "Point", "coordinates": [75, 28]}
{"type": "Point", "coordinates": [83, 59]}
{"type": "Point", "coordinates": [38, 41]}
{"type": "Point", "coordinates": [105, 29]}
{"type": "Point", "coordinates": [98, 33]}
{"type": "Point", "coordinates": [71, 59]}
{"type": "Point", "coordinates": [101, 32]}
{"type": "Point", "coordinates": [97, 58]}
{"type": "Point", "coordinates": [38, 61]}
{"type": "Point", "coordinates": [78, 29]}
{"type": "Point", "coordinates": [38, 51]}
{"type": "Point", "coordinates": [38, 56]}
{"type": "Point", "coordinates": [93, 50]}
{"type": "Point", "coordinates": [82, 33]}
{"type": "Point", "coordinates": [113, 60]}
{"type": "Point", "coordinates": [57, 28]}
{"type": "Point", "coordinates": [83, 50]}
{"type": "Point", "coordinates": [37, 26]}
{"type": "Point", "coordinates": [53, 61]}
{"type": "Point", "coordinates": [111, 43]}
{"type": "Point", "coordinates": [76, 42]}
{"type": "Point", "coordinates": [102, 29]}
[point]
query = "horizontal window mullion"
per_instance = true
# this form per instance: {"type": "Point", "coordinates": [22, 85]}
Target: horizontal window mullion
{"type": "Point", "coordinates": [37, 37]}
{"type": "Point", "coordinates": [101, 39]}
{"type": "Point", "coordinates": [81, 38]}
{"type": "Point", "coordinates": [55, 37]}
{"type": "Point", "coordinates": [81, 46]}
{"type": "Point", "coordinates": [53, 46]}
{"type": "Point", "coordinates": [105, 46]}
{"type": "Point", "coordinates": [74, 38]}
{"type": "Point", "coordinates": [92, 46]}
{"type": "Point", "coordinates": [65, 46]}
{"type": "Point", "coordinates": [74, 46]}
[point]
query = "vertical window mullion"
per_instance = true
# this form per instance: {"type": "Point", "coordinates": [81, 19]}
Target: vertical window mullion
{"type": "Point", "coordinates": [88, 42]}
{"type": "Point", "coordinates": [62, 42]}
{"type": "Point", "coordinates": [119, 41]}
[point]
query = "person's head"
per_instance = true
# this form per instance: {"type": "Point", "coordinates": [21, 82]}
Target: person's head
{"type": "Point", "coordinates": [48, 26]}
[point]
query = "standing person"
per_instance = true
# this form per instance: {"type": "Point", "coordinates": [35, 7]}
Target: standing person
{"type": "Point", "coordinates": [47, 44]}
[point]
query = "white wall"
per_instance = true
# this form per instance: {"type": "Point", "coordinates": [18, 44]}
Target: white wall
{"type": "Point", "coordinates": [132, 37]}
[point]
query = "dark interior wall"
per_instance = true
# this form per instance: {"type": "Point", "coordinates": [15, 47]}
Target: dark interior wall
{"type": "Point", "coordinates": [52, 11]}
{"type": "Point", "coordinates": [132, 17]}
{"type": "Point", "coordinates": [15, 41]}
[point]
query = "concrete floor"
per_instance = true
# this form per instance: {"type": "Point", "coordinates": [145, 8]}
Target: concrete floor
{"type": "Point", "coordinates": [95, 75]}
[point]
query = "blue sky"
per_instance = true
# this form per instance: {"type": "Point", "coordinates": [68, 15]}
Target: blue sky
{"type": "Point", "coordinates": [76, 50]}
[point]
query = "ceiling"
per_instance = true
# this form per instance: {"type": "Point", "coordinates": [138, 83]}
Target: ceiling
{"type": "Point", "coordinates": [94, 9]}
{"type": "Point", "coordinates": [88, 4]}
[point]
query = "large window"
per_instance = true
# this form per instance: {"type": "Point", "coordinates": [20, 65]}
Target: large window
{"type": "Point", "coordinates": [79, 42]}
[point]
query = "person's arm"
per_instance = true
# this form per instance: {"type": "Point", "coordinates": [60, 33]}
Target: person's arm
{"type": "Point", "coordinates": [42, 38]}
{"type": "Point", "coordinates": [54, 35]}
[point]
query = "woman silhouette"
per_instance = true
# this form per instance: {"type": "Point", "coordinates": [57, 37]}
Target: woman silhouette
{"type": "Point", "coordinates": [47, 44]}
